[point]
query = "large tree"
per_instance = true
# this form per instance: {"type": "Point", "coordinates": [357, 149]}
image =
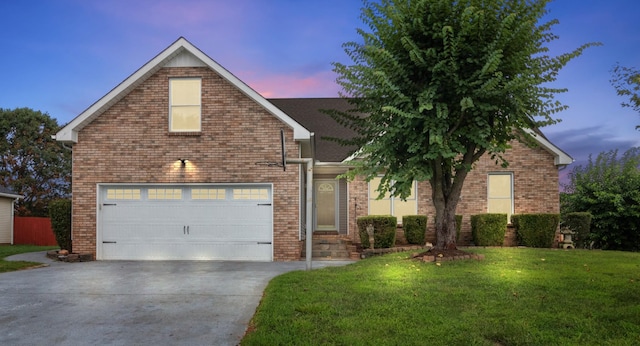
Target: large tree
{"type": "Point", "coordinates": [33, 164]}
{"type": "Point", "coordinates": [442, 83]}
{"type": "Point", "coordinates": [626, 81]}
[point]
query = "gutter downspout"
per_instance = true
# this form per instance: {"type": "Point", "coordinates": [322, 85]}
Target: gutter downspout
{"type": "Point", "coordinates": [308, 162]}
{"type": "Point", "coordinates": [13, 215]}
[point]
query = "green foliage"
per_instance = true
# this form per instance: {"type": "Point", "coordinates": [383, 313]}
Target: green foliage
{"type": "Point", "coordinates": [33, 164]}
{"type": "Point", "coordinates": [488, 229]}
{"type": "Point", "coordinates": [536, 230]}
{"type": "Point", "coordinates": [609, 189]}
{"type": "Point", "coordinates": [384, 230]}
{"type": "Point", "coordinates": [626, 81]}
{"type": "Point", "coordinates": [580, 223]}
{"type": "Point", "coordinates": [415, 228]}
{"type": "Point", "coordinates": [442, 83]}
{"type": "Point", "coordinates": [60, 214]}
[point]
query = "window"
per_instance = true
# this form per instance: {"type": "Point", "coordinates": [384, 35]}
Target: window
{"type": "Point", "coordinates": [250, 193]}
{"type": "Point", "coordinates": [165, 193]}
{"type": "Point", "coordinates": [208, 193]}
{"type": "Point", "coordinates": [122, 194]}
{"type": "Point", "coordinates": [391, 205]}
{"type": "Point", "coordinates": [184, 104]}
{"type": "Point", "coordinates": [500, 193]}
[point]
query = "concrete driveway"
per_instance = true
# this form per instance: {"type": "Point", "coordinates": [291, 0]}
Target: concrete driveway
{"type": "Point", "coordinates": [127, 303]}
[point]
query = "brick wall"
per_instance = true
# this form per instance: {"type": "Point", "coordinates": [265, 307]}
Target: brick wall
{"type": "Point", "coordinates": [535, 191]}
{"type": "Point", "coordinates": [130, 143]}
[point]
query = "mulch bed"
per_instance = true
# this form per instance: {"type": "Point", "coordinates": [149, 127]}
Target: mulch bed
{"type": "Point", "coordinates": [433, 255]}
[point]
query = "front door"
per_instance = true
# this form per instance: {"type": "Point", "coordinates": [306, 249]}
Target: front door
{"type": "Point", "coordinates": [326, 205]}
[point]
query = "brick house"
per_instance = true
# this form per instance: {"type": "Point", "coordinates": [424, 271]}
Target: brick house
{"type": "Point", "coordinates": [179, 162]}
{"type": "Point", "coordinates": [528, 185]}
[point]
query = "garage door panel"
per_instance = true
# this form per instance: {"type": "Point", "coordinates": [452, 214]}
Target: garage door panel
{"type": "Point", "coordinates": [182, 228]}
{"type": "Point", "coordinates": [133, 231]}
{"type": "Point", "coordinates": [229, 251]}
{"type": "Point", "coordinates": [229, 234]}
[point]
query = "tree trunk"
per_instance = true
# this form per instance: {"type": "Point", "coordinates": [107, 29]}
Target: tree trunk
{"type": "Point", "coordinates": [446, 190]}
{"type": "Point", "coordinates": [446, 226]}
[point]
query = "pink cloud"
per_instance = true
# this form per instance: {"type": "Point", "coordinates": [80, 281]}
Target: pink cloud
{"type": "Point", "coordinates": [320, 84]}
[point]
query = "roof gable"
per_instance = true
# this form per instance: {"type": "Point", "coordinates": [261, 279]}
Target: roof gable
{"type": "Point", "coordinates": [179, 54]}
{"type": "Point", "coordinates": [560, 157]}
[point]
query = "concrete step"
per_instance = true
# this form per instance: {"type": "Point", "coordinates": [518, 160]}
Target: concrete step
{"type": "Point", "coordinates": [330, 255]}
{"type": "Point", "coordinates": [332, 247]}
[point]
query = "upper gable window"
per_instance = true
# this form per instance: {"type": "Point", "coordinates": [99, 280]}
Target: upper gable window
{"type": "Point", "coordinates": [184, 104]}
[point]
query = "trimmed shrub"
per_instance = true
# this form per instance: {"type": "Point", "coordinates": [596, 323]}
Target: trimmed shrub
{"type": "Point", "coordinates": [415, 227]}
{"type": "Point", "coordinates": [488, 229]}
{"type": "Point", "coordinates": [384, 230]}
{"type": "Point", "coordinates": [536, 230]}
{"type": "Point", "coordinates": [60, 214]}
{"type": "Point", "coordinates": [579, 222]}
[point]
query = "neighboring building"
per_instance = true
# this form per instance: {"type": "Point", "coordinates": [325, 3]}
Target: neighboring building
{"type": "Point", "coordinates": [7, 202]}
{"type": "Point", "coordinates": [179, 162]}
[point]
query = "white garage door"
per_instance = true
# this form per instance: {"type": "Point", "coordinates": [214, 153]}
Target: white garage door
{"type": "Point", "coordinates": [185, 222]}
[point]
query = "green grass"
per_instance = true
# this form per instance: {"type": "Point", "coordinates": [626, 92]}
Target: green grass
{"type": "Point", "coordinates": [9, 250]}
{"type": "Point", "coordinates": [514, 296]}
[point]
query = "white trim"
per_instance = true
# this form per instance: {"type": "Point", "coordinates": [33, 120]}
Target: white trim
{"type": "Point", "coordinates": [171, 104]}
{"type": "Point", "coordinates": [69, 133]}
{"type": "Point", "coordinates": [512, 192]}
{"type": "Point", "coordinates": [11, 195]}
{"type": "Point", "coordinates": [336, 196]}
{"type": "Point", "coordinates": [12, 220]}
{"type": "Point", "coordinates": [561, 158]}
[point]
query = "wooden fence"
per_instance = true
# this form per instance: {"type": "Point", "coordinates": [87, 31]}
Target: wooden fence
{"type": "Point", "coordinates": [33, 231]}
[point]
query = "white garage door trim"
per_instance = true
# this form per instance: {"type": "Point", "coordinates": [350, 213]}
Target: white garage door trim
{"type": "Point", "coordinates": [185, 222]}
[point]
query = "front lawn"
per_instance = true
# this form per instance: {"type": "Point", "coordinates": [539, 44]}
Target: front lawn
{"type": "Point", "coordinates": [9, 250]}
{"type": "Point", "coordinates": [514, 296]}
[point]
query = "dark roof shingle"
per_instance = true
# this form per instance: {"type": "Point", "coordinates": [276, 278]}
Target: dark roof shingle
{"type": "Point", "coordinates": [307, 112]}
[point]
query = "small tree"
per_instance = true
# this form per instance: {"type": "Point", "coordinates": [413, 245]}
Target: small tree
{"type": "Point", "coordinates": [442, 83]}
{"type": "Point", "coordinates": [33, 164]}
{"type": "Point", "coordinates": [609, 189]}
{"type": "Point", "coordinates": [60, 214]}
{"type": "Point", "coordinates": [626, 81]}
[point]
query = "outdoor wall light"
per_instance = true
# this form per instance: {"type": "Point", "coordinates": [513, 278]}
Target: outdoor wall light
{"type": "Point", "coordinates": [183, 162]}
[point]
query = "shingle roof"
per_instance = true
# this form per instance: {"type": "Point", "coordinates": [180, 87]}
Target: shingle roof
{"type": "Point", "coordinates": [307, 112]}
{"type": "Point", "coordinates": [6, 192]}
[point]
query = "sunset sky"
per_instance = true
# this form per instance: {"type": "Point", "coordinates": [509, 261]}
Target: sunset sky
{"type": "Point", "coordinates": [60, 56]}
